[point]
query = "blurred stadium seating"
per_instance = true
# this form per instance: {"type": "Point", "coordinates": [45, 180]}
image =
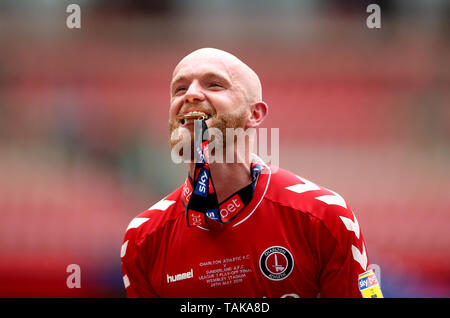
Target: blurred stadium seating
{"type": "Point", "coordinates": [83, 128]}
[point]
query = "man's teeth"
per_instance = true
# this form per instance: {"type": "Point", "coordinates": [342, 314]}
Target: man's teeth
{"type": "Point", "coordinates": [191, 116]}
{"type": "Point", "coordinates": [190, 120]}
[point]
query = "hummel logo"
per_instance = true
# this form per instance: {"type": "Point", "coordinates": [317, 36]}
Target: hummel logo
{"type": "Point", "coordinates": [177, 277]}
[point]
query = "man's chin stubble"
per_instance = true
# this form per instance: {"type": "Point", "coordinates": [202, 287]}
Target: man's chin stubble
{"type": "Point", "coordinates": [220, 122]}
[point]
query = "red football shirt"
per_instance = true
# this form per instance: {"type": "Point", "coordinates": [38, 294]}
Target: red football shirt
{"type": "Point", "coordinates": [294, 239]}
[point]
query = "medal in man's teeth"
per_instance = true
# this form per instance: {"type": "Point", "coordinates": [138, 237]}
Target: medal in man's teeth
{"type": "Point", "coordinates": [189, 118]}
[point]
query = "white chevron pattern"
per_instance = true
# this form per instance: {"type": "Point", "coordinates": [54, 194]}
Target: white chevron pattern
{"type": "Point", "coordinates": [330, 199]}
{"type": "Point", "coordinates": [335, 199]}
{"type": "Point", "coordinates": [126, 281]}
{"type": "Point", "coordinates": [123, 250]}
{"type": "Point", "coordinates": [350, 225]}
{"type": "Point", "coordinates": [361, 258]}
{"type": "Point", "coordinates": [137, 222]}
{"type": "Point", "coordinates": [303, 187]}
{"type": "Point", "coordinates": [162, 205]}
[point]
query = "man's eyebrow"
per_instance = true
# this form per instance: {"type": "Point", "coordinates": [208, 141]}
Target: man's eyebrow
{"type": "Point", "coordinates": [177, 78]}
{"type": "Point", "coordinates": [217, 74]}
{"type": "Point", "coordinates": [220, 75]}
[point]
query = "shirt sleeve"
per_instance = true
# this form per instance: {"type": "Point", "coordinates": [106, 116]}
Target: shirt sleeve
{"type": "Point", "coordinates": [135, 280]}
{"type": "Point", "coordinates": [343, 254]}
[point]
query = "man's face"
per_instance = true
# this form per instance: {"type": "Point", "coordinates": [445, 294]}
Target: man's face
{"type": "Point", "coordinates": [210, 85]}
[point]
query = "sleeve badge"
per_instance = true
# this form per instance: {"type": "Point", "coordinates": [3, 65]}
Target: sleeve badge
{"type": "Point", "coordinates": [368, 285]}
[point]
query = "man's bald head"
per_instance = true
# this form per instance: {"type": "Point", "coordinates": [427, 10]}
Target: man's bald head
{"type": "Point", "coordinates": [219, 85]}
{"type": "Point", "coordinates": [240, 73]}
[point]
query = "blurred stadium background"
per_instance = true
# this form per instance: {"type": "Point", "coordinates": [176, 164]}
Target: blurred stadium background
{"type": "Point", "coordinates": [83, 126]}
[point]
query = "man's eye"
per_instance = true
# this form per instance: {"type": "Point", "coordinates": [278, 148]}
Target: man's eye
{"type": "Point", "coordinates": [215, 85]}
{"type": "Point", "coordinates": [180, 89]}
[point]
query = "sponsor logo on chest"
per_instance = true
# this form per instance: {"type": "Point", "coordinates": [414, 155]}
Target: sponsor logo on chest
{"type": "Point", "coordinates": [230, 208]}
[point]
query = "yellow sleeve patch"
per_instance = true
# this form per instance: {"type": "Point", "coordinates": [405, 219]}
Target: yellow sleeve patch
{"type": "Point", "coordinates": [368, 285]}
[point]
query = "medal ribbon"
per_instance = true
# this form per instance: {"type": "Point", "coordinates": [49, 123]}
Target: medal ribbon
{"type": "Point", "coordinates": [199, 195]}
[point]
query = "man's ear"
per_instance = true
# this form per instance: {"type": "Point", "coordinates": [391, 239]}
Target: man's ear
{"type": "Point", "coordinates": [258, 112]}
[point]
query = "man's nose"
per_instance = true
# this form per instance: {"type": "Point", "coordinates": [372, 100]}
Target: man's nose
{"type": "Point", "coordinates": [194, 93]}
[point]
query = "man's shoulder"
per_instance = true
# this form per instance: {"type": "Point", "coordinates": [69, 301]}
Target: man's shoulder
{"type": "Point", "coordinates": [304, 196]}
{"type": "Point", "coordinates": [157, 215]}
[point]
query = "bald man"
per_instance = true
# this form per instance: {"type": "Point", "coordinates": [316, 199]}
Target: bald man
{"type": "Point", "coordinates": [229, 92]}
{"type": "Point", "coordinates": [237, 229]}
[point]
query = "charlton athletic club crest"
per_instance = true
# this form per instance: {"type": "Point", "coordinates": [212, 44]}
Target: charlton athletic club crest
{"type": "Point", "coordinates": [276, 263]}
